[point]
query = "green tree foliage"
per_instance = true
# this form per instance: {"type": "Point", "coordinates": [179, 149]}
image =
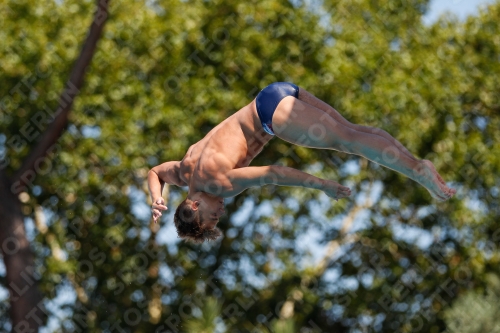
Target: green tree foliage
{"type": "Point", "coordinates": [291, 260]}
{"type": "Point", "coordinates": [205, 319]}
{"type": "Point", "coordinates": [474, 312]}
{"type": "Point", "coordinates": [283, 326]}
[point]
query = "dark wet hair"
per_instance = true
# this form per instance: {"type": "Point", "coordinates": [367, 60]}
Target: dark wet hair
{"type": "Point", "coordinates": [188, 224]}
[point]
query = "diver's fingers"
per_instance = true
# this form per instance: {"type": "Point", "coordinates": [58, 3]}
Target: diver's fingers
{"type": "Point", "coordinates": [162, 207]}
{"type": "Point", "coordinates": [156, 213]}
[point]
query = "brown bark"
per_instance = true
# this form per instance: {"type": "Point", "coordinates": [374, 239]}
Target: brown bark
{"type": "Point", "coordinates": [18, 260]}
{"type": "Point", "coordinates": [25, 299]}
{"type": "Point", "coordinates": [56, 128]}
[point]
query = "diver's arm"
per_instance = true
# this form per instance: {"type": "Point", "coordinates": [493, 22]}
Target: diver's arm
{"type": "Point", "coordinates": [168, 173]}
{"type": "Point", "coordinates": [155, 185]}
{"type": "Point", "coordinates": [244, 178]}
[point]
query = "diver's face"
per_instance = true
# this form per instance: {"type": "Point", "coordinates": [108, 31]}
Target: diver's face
{"type": "Point", "coordinates": [210, 208]}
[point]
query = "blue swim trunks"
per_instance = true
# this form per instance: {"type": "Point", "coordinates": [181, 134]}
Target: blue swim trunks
{"type": "Point", "coordinates": [268, 99]}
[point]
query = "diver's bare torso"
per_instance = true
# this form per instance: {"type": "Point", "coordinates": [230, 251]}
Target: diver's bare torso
{"type": "Point", "coordinates": [232, 144]}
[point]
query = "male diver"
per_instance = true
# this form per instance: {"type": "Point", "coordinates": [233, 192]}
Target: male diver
{"type": "Point", "coordinates": [216, 167]}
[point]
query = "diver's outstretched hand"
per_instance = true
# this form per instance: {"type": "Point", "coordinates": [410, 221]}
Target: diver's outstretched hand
{"type": "Point", "coordinates": [335, 190]}
{"type": "Point", "coordinates": [157, 207]}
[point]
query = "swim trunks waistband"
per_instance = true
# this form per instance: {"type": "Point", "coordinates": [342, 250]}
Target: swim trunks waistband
{"type": "Point", "coordinates": [268, 99]}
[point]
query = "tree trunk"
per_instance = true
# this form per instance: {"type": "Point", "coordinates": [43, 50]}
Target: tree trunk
{"type": "Point", "coordinates": [26, 315]}
{"type": "Point", "coordinates": [25, 300]}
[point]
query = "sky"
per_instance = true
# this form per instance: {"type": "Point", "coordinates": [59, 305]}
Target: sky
{"type": "Point", "coordinates": [460, 8]}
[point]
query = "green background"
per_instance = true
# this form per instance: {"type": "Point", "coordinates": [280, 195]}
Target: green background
{"type": "Point", "coordinates": [389, 259]}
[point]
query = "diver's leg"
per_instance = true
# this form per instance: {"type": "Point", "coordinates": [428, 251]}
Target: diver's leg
{"type": "Point", "coordinates": [310, 99]}
{"type": "Point", "coordinates": [303, 124]}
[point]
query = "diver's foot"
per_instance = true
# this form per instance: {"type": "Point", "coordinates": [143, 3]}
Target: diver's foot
{"type": "Point", "coordinates": [428, 176]}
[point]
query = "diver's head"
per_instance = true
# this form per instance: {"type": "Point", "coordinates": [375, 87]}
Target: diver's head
{"type": "Point", "coordinates": [197, 216]}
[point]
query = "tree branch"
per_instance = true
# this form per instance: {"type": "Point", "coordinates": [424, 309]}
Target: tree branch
{"type": "Point", "coordinates": [344, 236]}
{"type": "Point", "coordinates": [73, 86]}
